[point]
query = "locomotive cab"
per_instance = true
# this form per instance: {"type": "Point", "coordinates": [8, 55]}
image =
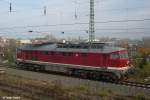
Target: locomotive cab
{"type": "Point", "coordinates": [119, 61]}
{"type": "Point", "coordinates": [124, 59]}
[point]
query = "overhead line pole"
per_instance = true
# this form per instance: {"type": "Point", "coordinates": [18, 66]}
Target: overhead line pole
{"type": "Point", "coordinates": [91, 23]}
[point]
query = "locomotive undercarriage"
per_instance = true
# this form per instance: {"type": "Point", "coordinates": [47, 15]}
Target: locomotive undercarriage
{"type": "Point", "coordinates": [97, 74]}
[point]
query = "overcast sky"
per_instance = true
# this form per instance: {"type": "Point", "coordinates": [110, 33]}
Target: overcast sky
{"type": "Point", "coordinates": [114, 18]}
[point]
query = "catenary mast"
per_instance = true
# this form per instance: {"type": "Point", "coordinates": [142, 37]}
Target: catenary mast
{"type": "Point", "coordinates": [91, 23]}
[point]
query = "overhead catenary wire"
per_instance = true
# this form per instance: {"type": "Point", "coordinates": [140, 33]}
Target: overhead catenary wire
{"type": "Point", "coordinates": [81, 23]}
{"type": "Point", "coordinates": [75, 2]}
{"type": "Point", "coordinates": [5, 1]}
{"type": "Point", "coordinates": [76, 30]}
{"type": "Point", "coordinates": [81, 3]}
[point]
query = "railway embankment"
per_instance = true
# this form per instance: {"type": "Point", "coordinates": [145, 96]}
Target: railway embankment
{"type": "Point", "coordinates": [34, 86]}
{"type": "Point", "coordinates": [12, 86]}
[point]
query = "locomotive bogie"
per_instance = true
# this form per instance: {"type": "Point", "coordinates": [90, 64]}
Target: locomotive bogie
{"type": "Point", "coordinates": [82, 71]}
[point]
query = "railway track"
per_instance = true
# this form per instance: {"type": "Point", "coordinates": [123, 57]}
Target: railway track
{"type": "Point", "coordinates": [134, 84]}
{"type": "Point", "coordinates": [124, 83]}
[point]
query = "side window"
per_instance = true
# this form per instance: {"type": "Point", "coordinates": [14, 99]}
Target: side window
{"type": "Point", "coordinates": [18, 50]}
{"type": "Point", "coordinates": [52, 53]}
{"type": "Point", "coordinates": [124, 56]}
{"type": "Point", "coordinates": [70, 54]}
{"type": "Point", "coordinates": [45, 52]}
{"type": "Point", "coordinates": [84, 54]}
{"type": "Point", "coordinates": [64, 53]}
{"type": "Point", "coordinates": [114, 56]}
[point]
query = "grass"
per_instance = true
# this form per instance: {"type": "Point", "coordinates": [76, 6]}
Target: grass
{"type": "Point", "coordinates": [141, 72]}
{"type": "Point", "coordinates": [56, 91]}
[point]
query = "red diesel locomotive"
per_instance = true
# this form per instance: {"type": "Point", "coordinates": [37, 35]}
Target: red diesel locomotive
{"type": "Point", "coordinates": [96, 60]}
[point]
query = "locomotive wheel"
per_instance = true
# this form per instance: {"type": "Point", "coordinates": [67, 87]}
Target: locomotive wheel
{"type": "Point", "coordinates": [76, 73]}
{"type": "Point", "coordinates": [37, 68]}
{"type": "Point", "coordinates": [95, 76]}
{"type": "Point", "coordinates": [84, 75]}
{"type": "Point", "coordinates": [110, 77]}
{"type": "Point", "coordinates": [70, 72]}
{"type": "Point", "coordinates": [114, 78]}
{"type": "Point", "coordinates": [107, 77]}
{"type": "Point", "coordinates": [124, 77]}
{"type": "Point", "coordinates": [80, 73]}
{"type": "Point", "coordinates": [19, 65]}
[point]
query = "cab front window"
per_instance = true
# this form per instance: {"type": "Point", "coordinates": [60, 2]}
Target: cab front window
{"type": "Point", "coordinates": [114, 56]}
{"type": "Point", "coordinates": [124, 55]}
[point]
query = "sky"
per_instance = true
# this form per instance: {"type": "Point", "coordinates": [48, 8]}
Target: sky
{"type": "Point", "coordinates": [113, 18]}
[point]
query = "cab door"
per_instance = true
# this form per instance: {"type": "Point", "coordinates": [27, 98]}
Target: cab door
{"type": "Point", "coordinates": [114, 60]}
{"type": "Point", "coordinates": [23, 55]}
{"type": "Point", "coordinates": [105, 60]}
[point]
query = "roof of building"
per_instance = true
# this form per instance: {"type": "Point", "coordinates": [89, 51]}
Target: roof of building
{"type": "Point", "coordinates": [81, 47]}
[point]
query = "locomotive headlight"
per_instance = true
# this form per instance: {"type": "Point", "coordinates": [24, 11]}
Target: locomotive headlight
{"type": "Point", "coordinates": [127, 62]}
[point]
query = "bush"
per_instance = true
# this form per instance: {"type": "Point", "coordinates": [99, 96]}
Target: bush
{"type": "Point", "coordinates": [141, 97]}
{"type": "Point", "coordinates": [142, 72]}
